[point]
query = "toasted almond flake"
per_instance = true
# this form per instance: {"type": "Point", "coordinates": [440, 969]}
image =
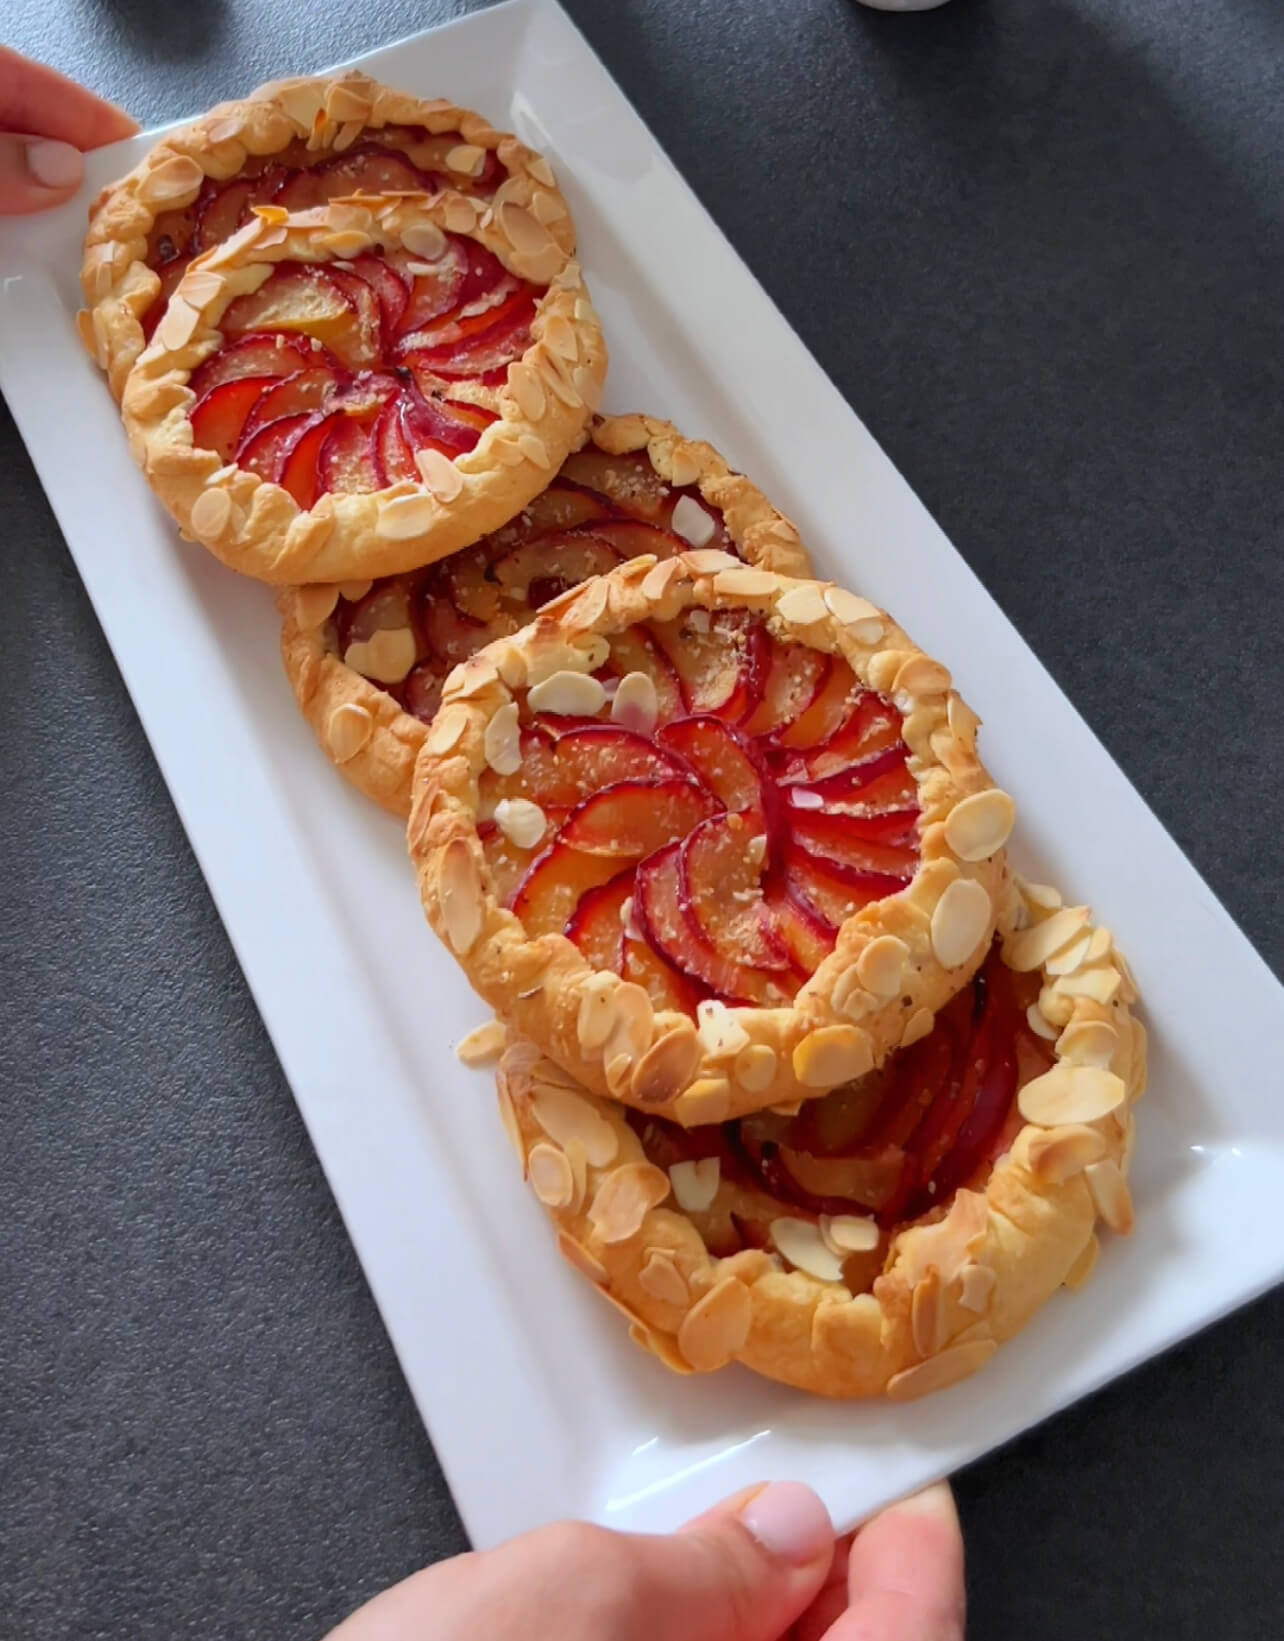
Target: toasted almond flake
{"type": "Point", "coordinates": [439, 473]}
{"type": "Point", "coordinates": [483, 1045]}
{"type": "Point", "coordinates": [201, 286]}
{"type": "Point", "coordinates": [561, 339]}
{"type": "Point", "coordinates": [800, 1242]}
{"type": "Point", "coordinates": [979, 826]}
{"type": "Point", "coordinates": [635, 704]}
{"type": "Point", "coordinates": [344, 242]}
{"type": "Point", "coordinates": [446, 729]}
{"type": "Point", "coordinates": [313, 605]}
{"type": "Point", "coordinates": [917, 1027]}
{"type": "Point", "coordinates": [526, 387]}
{"type": "Point", "coordinates": [755, 1067]}
{"type": "Point", "coordinates": [695, 1184]}
{"type": "Point", "coordinates": [667, 1066]}
{"type": "Point", "coordinates": [1058, 1154]}
{"type": "Point", "coordinates": [177, 327]}
{"type": "Point", "coordinates": [881, 966]}
{"type": "Point", "coordinates": [707, 1100]}
{"type": "Point", "coordinates": [1138, 1072]}
{"type": "Point", "coordinates": [883, 667]}
{"type": "Point", "coordinates": [171, 179]}
{"type": "Point", "coordinates": [624, 1199]}
{"type": "Point", "coordinates": [355, 591]}
{"type": "Point", "coordinates": [976, 1288]}
{"type": "Point", "coordinates": [501, 743]}
{"type": "Point", "coordinates": [960, 922]}
{"type": "Point", "coordinates": [855, 613]}
{"type": "Point", "coordinates": [788, 1108]}
{"type": "Point", "coordinates": [568, 1118]}
{"type": "Point", "coordinates": [424, 239]}
{"type": "Point", "coordinates": [1040, 1024]}
{"type": "Point", "coordinates": [349, 729]}
{"type": "Point", "coordinates": [716, 1327]}
{"type": "Point", "coordinates": [568, 694]}
{"type": "Point", "coordinates": [521, 229]}
{"type": "Point", "coordinates": [1088, 1043]}
{"type": "Point", "coordinates": [655, 583]}
{"type": "Point", "coordinates": [466, 158]}
{"type": "Point", "coordinates": [460, 897]}
{"type": "Point", "coordinates": [802, 605]}
{"type": "Point", "coordinates": [405, 517]}
{"type": "Point", "coordinates": [211, 515]}
{"type": "Point", "coordinates": [551, 374]}
{"type": "Point", "coordinates": [692, 522]}
{"type": "Point", "coordinates": [927, 1313]}
{"type": "Point", "coordinates": [920, 675]}
{"type": "Point", "coordinates": [1071, 1094]}
{"type": "Point", "coordinates": [227, 129]}
{"type": "Point", "coordinates": [579, 1175]}
{"type": "Point", "coordinates": [1039, 896]}
{"type": "Point", "coordinates": [460, 215]}
{"type": "Point", "coordinates": [710, 560]}
{"type": "Point", "coordinates": [596, 1014]}
{"type": "Point", "coordinates": [1032, 948]}
{"type": "Point", "coordinates": [1110, 1195]}
{"type": "Point", "coordinates": [540, 169]}
{"type": "Point", "coordinates": [850, 1233]}
{"type": "Point", "coordinates": [832, 1055]}
{"type": "Point", "coordinates": [522, 822]}
{"type": "Point", "coordinates": [849, 996]}
{"type": "Point", "coordinates": [1084, 1265]}
{"type": "Point", "coordinates": [344, 102]}
{"type": "Point", "coordinates": [549, 1171]}
{"type": "Point", "coordinates": [684, 468]}
{"type": "Point", "coordinates": [386, 656]}
{"type": "Point", "coordinates": [940, 1371]}
{"type": "Point", "coordinates": [533, 449]}
{"type": "Point", "coordinates": [584, 1262]}
{"type": "Point", "coordinates": [661, 1278]}
{"type": "Point", "coordinates": [1070, 957]}
{"type": "Point", "coordinates": [1101, 985]}
{"type": "Point", "coordinates": [744, 582]}
{"type": "Point", "coordinates": [584, 611]}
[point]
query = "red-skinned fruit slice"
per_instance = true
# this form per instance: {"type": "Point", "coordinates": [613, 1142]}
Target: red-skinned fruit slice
{"type": "Point", "coordinates": [225, 209]}
{"type": "Point", "coordinates": [662, 983]}
{"type": "Point", "coordinates": [849, 778]}
{"type": "Point", "coordinates": [709, 662]}
{"type": "Point", "coordinates": [891, 788]}
{"type": "Point", "coordinates": [365, 344]}
{"type": "Point", "coordinates": [267, 452]}
{"type": "Point", "coordinates": [391, 291]}
{"type": "Point", "coordinates": [559, 560]}
{"type": "Point", "coordinates": [387, 605]}
{"type": "Point", "coordinates": [980, 1130]}
{"type": "Point", "coordinates": [394, 458]}
{"type": "Point", "coordinates": [298, 469]}
{"type": "Point", "coordinates": [453, 635]}
{"type": "Point", "coordinates": [561, 507]}
{"type": "Point", "coordinates": [835, 891]}
{"type": "Point", "coordinates": [845, 840]}
{"type": "Point", "coordinates": [723, 878]}
{"type": "Point", "coordinates": [873, 727]}
{"type": "Point", "coordinates": [488, 352]}
{"type": "Point", "coordinates": [804, 933]}
{"type": "Point", "coordinates": [660, 904]}
{"type": "Point", "coordinates": [421, 691]}
{"type": "Point", "coordinates": [346, 460]}
{"type": "Point", "coordinates": [547, 896]}
{"type": "Point", "coordinates": [630, 483]}
{"type": "Point", "coordinates": [631, 539]}
{"type": "Point", "coordinates": [632, 819]}
{"type": "Point", "coordinates": [827, 713]}
{"type": "Point", "coordinates": [795, 676]}
{"type": "Point", "coordinates": [294, 298]}
{"type": "Point", "coordinates": [595, 925]}
{"type": "Point", "coordinates": [219, 417]}
{"type": "Point", "coordinates": [723, 760]}
{"type": "Point", "coordinates": [634, 650]}
{"type": "Point", "coordinates": [434, 289]}
{"type": "Point", "coordinates": [266, 356]}
{"type": "Point", "coordinates": [432, 422]}
{"type": "Point", "coordinates": [594, 756]}
{"type": "Point", "coordinates": [305, 390]}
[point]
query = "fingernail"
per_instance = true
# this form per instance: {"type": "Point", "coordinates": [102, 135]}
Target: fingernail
{"type": "Point", "coordinates": [936, 1501]}
{"type": "Point", "coordinates": [54, 164]}
{"type": "Point", "coordinates": [790, 1522]}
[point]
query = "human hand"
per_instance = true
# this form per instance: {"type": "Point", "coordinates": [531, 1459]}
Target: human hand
{"type": "Point", "coordinates": [760, 1567]}
{"type": "Point", "coordinates": [46, 121]}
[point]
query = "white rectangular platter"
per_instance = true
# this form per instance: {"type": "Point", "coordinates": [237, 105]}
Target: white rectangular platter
{"type": "Point", "coordinates": [537, 1404]}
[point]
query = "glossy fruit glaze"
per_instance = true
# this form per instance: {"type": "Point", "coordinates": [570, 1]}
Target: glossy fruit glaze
{"type": "Point", "coordinates": [599, 511]}
{"type": "Point", "coordinates": [893, 1146]}
{"type": "Point", "coordinates": [334, 376]}
{"type": "Point", "coordinates": [394, 160]}
{"type": "Point", "coordinates": [716, 850]}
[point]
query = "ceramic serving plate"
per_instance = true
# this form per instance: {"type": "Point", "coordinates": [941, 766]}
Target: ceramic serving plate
{"type": "Point", "coordinates": [537, 1404]}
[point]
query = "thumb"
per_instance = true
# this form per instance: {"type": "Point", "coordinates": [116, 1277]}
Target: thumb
{"type": "Point", "coordinates": [905, 1574]}
{"type": "Point", "coordinates": [745, 1571]}
{"type": "Point", "coordinates": [37, 172]}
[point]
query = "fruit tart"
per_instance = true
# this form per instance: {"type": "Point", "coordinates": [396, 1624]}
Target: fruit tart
{"type": "Point", "coordinates": [886, 1238]}
{"type": "Point", "coordinates": [297, 144]}
{"type": "Point", "coordinates": [367, 660]}
{"type": "Point", "coordinates": [358, 389]}
{"type": "Point", "coordinates": [713, 838]}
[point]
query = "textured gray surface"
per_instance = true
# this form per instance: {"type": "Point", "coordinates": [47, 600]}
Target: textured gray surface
{"type": "Point", "coordinates": [1039, 248]}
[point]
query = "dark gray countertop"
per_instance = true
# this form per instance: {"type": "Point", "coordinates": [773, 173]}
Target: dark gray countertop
{"type": "Point", "coordinates": [1038, 247]}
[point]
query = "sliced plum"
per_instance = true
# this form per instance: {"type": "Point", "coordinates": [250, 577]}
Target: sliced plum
{"type": "Point", "coordinates": [219, 417]}
{"type": "Point", "coordinates": [634, 818]}
{"type": "Point", "coordinates": [721, 869]}
{"type": "Point", "coordinates": [596, 925]}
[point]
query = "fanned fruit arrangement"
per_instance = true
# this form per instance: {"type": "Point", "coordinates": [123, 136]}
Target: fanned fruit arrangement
{"type": "Point", "coordinates": [805, 1077]}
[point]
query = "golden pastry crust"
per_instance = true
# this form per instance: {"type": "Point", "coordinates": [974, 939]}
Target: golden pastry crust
{"type": "Point", "coordinates": [896, 960]}
{"type": "Point", "coordinates": [326, 113]}
{"type": "Point", "coordinates": [255, 526]}
{"type": "Point", "coordinates": [360, 726]}
{"type": "Point", "coordinates": [949, 1292]}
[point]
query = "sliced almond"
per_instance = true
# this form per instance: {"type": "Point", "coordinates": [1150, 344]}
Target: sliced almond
{"type": "Point", "coordinates": [927, 1313]}
{"type": "Point", "coordinates": [460, 215]}
{"type": "Point", "coordinates": [522, 822]}
{"type": "Point", "coordinates": [661, 1278]}
{"type": "Point", "coordinates": [1110, 1195]}
{"type": "Point", "coordinates": [1041, 896]}
{"type": "Point", "coordinates": [460, 897]}
{"type": "Point", "coordinates": [920, 675]}
{"type": "Point", "coordinates": [850, 1233]}
{"type": "Point", "coordinates": [1100, 984]}
{"type": "Point", "coordinates": [502, 743]}
{"type": "Point", "coordinates": [635, 704]}
{"type": "Point", "coordinates": [976, 1288]}
{"type": "Point", "coordinates": [466, 158]}
{"type": "Point", "coordinates": [568, 694]}
{"type": "Point", "coordinates": [881, 965]}
{"type": "Point", "coordinates": [745, 582]}
{"type": "Point", "coordinates": [483, 1045]}
{"type": "Point", "coordinates": [446, 729]}
{"type": "Point", "coordinates": [1071, 1094]}
{"type": "Point", "coordinates": [1070, 957]}
{"type": "Point", "coordinates": [1040, 1024]}
{"type": "Point", "coordinates": [549, 1171]}
{"type": "Point", "coordinates": [692, 522]}
{"type": "Point", "coordinates": [755, 1067]}
{"type": "Point", "coordinates": [917, 1027]}
{"type": "Point", "coordinates": [439, 473]}
{"type": "Point", "coordinates": [940, 1371]}
{"type": "Point", "coordinates": [521, 229]}
{"type": "Point", "coordinates": [710, 560]}
{"type": "Point", "coordinates": [667, 1066]}
{"type": "Point", "coordinates": [179, 323]}
{"type": "Point", "coordinates": [979, 826]}
{"type": "Point", "coordinates": [560, 338]}
{"type": "Point", "coordinates": [1032, 948]}
{"type": "Point", "coordinates": [211, 515]}
{"type": "Point", "coordinates": [540, 169]}
{"type": "Point", "coordinates": [707, 1100]}
{"type": "Point", "coordinates": [716, 1327]}
{"type": "Point", "coordinates": [528, 390]}
{"type": "Point", "coordinates": [864, 620]}
{"type": "Point", "coordinates": [1059, 1154]}
{"type": "Point", "coordinates": [802, 605]}
{"type": "Point", "coordinates": [695, 1184]}
{"type": "Point", "coordinates": [1088, 1043]}
{"type": "Point", "coordinates": [313, 605]}
{"type": "Point", "coordinates": [596, 1017]}
{"type": "Point", "coordinates": [405, 517]}
{"type": "Point", "coordinates": [424, 239]}
{"type": "Point", "coordinates": [720, 1031]}
{"type": "Point", "coordinates": [624, 1199]}
{"type": "Point", "coordinates": [568, 1118]}
{"type": "Point", "coordinates": [1084, 1265]}
{"type": "Point", "coordinates": [630, 1033]}
{"type": "Point", "coordinates": [171, 179]}
{"type": "Point", "coordinates": [386, 656]}
{"type": "Point", "coordinates": [801, 1244]}
{"type": "Point", "coordinates": [349, 729]}
{"type": "Point", "coordinates": [832, 1055]}
{"type": "Point", "coordinates": [960, 922]}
